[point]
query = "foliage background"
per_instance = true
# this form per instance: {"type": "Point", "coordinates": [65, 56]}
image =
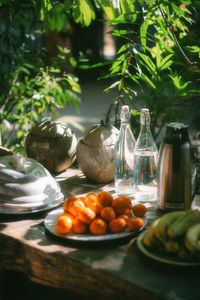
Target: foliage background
{"type": "Point", "coordinates": [156, 64]}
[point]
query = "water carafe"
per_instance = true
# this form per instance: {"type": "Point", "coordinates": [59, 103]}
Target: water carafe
{"type": "Point", "coordinates": [175, 169]}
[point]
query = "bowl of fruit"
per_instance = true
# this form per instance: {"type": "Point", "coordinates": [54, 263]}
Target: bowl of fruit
{"type": "Point", "coordinates": [97, 217]}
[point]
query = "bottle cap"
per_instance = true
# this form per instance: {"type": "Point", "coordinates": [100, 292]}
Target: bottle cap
{"type": "Point", "coordinates": [125, 108]}
{"type": "Point", "coordinates": [144, 116]}
{"type": "Point", "coordinates": [145, 111]}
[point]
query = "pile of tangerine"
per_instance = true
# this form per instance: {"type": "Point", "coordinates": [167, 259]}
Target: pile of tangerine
{"type": "Point", "coordinates": [100, 213]}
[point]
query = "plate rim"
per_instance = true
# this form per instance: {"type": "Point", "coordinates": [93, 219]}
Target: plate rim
{"type": "Point", "coordinates": [164, 258]}
{"type": "Point", "coordinates": [42, 208]}
{"type": "Point", "coordinates": [89, 237]}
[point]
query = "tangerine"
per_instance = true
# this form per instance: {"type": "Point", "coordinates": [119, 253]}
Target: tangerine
{"type": "Point", "coordinates": [105, 198]}
{"type": "Point", "coordinates": [107, 213]}
{"type": "Point", "coordinates": [121, 203]}
{"type": "Point", "coordinates": [68, 202]}
{"type": "Point", "coordinates": [63, 224]}
{"type": "Point", "coordinates": [128, 212]}
{"type": "Point", "coordinates": [96, 207]}
{"type": "Point", "coordinates": [75, 207]}
{"type": "Point", "coordinates": [86, 214]}
{"type": "Point", "coordinates": [68, 215]}
{"type": "Point", "coordinates": [124, 216]}
{"type": "Point", "coordinates": [98, 226]}
{"type": "Point", "coordinates": [135, 223]}
{"type": "Point", "coordinates": [139, 210]}
{"type": "Point", "coordinates": [90, 198]}
{"type": "Point", "coordinates": [78, 226]}
{"type": "Point", "coordinates": [117, 225]}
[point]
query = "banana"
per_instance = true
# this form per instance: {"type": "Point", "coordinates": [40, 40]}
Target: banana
{"type": "Point", "coordinates": [150, 238]}
{"type": "Point", "coordinates": [181, 224]}
{"type": "Point", "coordinates": [172, 246]}
{"type": "Point", "coordinates": [164, 223]}
{"type": "Point", "coordinates": [183, 253]}
{"type": "Point", "coordinates": [192, 239]}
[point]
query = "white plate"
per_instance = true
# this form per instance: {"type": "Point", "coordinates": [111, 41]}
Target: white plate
{"type": "Point", "coordinates": [162, 257]}
{"type": "Point", "coordinates": [50, 224]}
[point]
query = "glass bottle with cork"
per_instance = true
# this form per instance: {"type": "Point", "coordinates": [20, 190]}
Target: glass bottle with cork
{"type": "Point", "coordinates": [124, 156]}
{"type": "Point", "coordinates": [145, 161]}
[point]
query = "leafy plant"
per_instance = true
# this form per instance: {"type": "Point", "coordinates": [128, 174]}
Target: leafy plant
{"type": "Point", "coordinates": [31, 91]}
{"type": "Point", "coordinates": [157, 62]}
{"type": "Point", "coordinates": [156, 65]}
{"type": "Point", "coordinates": [151, 64]}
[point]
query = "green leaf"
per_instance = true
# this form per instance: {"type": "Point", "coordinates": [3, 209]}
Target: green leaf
{"type": "Point", "coordinates": [165, 62]}
{"type": "Point", "coordinates": [177, 80]}
{"type": "Point", "coordinates": [73, 61]}
{"type": "Point", "coordinates": [148, 61]}
{"type": "Point", "coordinates": [74, 85]}
{"type": "Point", "coordinates": [108, 9]}
{"type": "Point", "coordinates": [35, 115]}
{"type": "Point", "coordinates": [83, 12]}
{"type": "Point", "coordinates": [146, 79]}
{"type": "Point", "coordinates": [19, 134]}
{"type": "Point", "coordinates": [127, 8]}
{"type": "Point", "coordinates": [144, 29]}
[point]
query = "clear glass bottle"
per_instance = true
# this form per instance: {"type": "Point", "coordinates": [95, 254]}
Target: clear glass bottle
{"type": "Point", "coordinates": [124, 157]}
{"type": "Point", "coordinates": [145, 161]}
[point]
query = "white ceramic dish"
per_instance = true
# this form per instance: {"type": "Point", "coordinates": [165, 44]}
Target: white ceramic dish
{"type": "Point", "coordinates": [29, 210]}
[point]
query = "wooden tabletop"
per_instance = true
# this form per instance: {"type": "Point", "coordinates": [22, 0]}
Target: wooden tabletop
{"type": "Point", "coordinates": [104, 270]}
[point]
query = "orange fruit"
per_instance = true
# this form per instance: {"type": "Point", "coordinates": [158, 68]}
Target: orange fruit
{"type": "Point", "coordinates": [128, 212]}
{"type": "Point", "coordinates": [86, 214]}
{"type": "Point", "coordinates": [124, 216]}
{"type": "Point", "coordinates": [96, 207]}
{"type": "Point", "coordinates": [139, 210]}
{"type": "Point", "coordinates": [121, 203]}
{"type": "Point", "coordinates": [135, 223]}
{"type": "Point", "coordinates": [117, 225]}
{"type": "Point", "coordinates": [63, 224]}
{"type": "Point", "coordinates": [90, 198]}
{"type": "Point", "coordinates": [105, 198]}
{"type": "Point", "coordinates": [127, 199]}
{"type": "Point", "coordinates": [75, 207]}
{"type": "Point", "coordinates": [78, 226]}
{"type": "Point", "coordinates": [82, 199]}
{"type": "Point", "coordinates": [98, 226]}
{"type": "Point", "coordinates": [68, 215]}
{"type": "Point", "coordinates": [91, 194]}
{"type": "Point", "coordinates": [68, 202]}
{"type": "Point", "coordinates": [107, 213]}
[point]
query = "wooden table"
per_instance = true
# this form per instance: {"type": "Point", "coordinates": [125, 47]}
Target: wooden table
{"type": "Point", "coordinates": [113, 270]}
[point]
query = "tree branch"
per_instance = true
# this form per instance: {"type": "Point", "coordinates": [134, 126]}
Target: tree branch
{"type": "Point", "coordinates": [189, 62]}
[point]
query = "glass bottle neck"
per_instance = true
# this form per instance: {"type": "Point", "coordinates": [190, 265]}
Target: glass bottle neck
{"type": "Point", "coordinates": [125, 118]}
{"type": "Point", "coordinates": [145, 120]}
